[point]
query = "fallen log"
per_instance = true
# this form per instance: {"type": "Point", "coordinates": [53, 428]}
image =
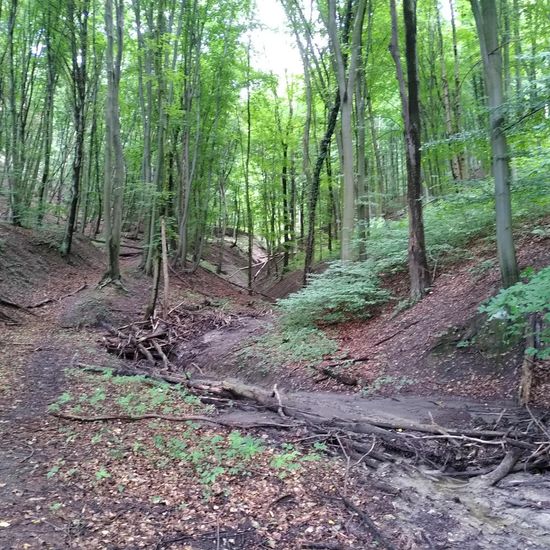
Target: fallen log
{"type": "Point", "coordinates": [428, 443]}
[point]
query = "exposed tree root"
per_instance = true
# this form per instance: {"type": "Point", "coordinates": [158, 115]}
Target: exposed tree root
{"type": "Point", "coordinates": [50, 300]}
{"type": "Point", "coordinates": [500, 472]}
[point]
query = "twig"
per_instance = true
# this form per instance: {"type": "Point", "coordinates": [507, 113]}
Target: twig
{"type": "Point", "coordinates": [13, 305]}
{"type": "Point", "coordinates": [346, 475]}
{"type": "Point", "coordinates": [396, 333]}
{"type": "Point", "coordinates": [277, 395]}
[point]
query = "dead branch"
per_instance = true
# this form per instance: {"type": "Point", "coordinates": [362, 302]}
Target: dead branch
{"type": "Point", "coordinates": [50, 300]}
{"type": "Point", "coordinates": [396, 333]}
{"type": "Point", "coordinates": [375, 532]}
{"type": "Point", "coordinates": [14, 305]}
{"type": "Point", "coordinates": [500, 472]}
{"type": "Point", "coordinates": [169, 418]}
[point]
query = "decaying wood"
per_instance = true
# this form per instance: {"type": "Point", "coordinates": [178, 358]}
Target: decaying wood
{"type": "Point", "coordinates": [339, 376]}
{"type": "Point", "coordinates": [500, 472]}
{"type": "Point", "coordinates": [526, 380]}
{"type": "Point", "coordinates": [375, 532]}
{"type": "Point", "coordinates": [155, 339]}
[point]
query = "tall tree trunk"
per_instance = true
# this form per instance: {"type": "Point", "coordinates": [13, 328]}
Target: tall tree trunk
{"type": "Point", "coordinates": [315, 184]}
{"type": "Point", "coordinates": [114, 161]}
{"type": "Point", "coordinates": [485, 15]}
{"type": "Point", "coordinates": [418, 264]}
{"type": "Point", "coordinates": [346, 86]}
{"type": "Point", "coordinates": [249, 215]}
{"type": "Point", "coordinates": [78, 21]}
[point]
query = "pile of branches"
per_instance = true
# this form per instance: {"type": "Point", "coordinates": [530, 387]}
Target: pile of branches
{"type": "Point", "coordinates": [155, 340]}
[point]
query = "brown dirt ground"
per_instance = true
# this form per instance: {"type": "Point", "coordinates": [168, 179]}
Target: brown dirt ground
{"type": "Point", "coordinates": [67, 485]}
{"type": "Point", "coordinates": [415, 351]}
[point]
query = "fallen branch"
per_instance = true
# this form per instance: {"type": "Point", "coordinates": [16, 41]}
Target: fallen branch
{"type": "Point", "coordinates": [375, 532]}
{"type": "Point", "coordinates": [50, 300]}
{"type": "Point", "coordinates": [500, 472]}
{"type": "Point", "coordinates": [397, 332]}
{"type": "Point", "coordinates": [169, 418]}
{"type": "Point", "coordinates": [13, 305]}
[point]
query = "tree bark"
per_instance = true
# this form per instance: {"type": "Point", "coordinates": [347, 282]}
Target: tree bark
{"type": "Point", "coordinates": [114, 161]}
{"type": "Point", "coordinates": [410, 104]}
{"type": "Point", "coordinates": [485, 15]}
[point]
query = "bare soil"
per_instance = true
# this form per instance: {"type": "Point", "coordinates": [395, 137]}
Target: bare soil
{"type": "Point", "coordinates": [71, 485]}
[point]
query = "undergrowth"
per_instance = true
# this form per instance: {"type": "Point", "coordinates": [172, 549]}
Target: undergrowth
{"type": "Point", "coordinates": [517, 303]}
{"type": "Point", "coordinates": [354, 289]}
{"type": "Point", "coordinates": [284, 345]}
{"type": "Point", "coordinates": [209, 458]}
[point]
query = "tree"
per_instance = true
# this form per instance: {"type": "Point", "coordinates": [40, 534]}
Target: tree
{"type": "Point", "coordinates": [485, 15]}
{"type": "Point", "coordinates": [77, 16]}
{"type": "Point", "coordinates": [114, 160]}
{"type": "Point", "coordinates": [410, 106]}
{"type": "Point", "coordinates": [346, 85]}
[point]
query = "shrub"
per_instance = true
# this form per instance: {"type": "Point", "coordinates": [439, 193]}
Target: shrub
{"type": "Point", "coordinates": [516, 303]}
{"type": "Point", "coordinates": [342, 291]}
{"type": "Point", "coordinates": [353, 289]}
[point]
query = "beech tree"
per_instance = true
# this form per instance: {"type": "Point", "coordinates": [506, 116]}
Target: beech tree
{"type": "Point", "coordinates": [486, 18]}
{"type": "Point", "coordinates": [410, 105]}
{"type": "Point", "coordinates": [114, 161]}
{"type": "Point", "coordinates": [117, 114]}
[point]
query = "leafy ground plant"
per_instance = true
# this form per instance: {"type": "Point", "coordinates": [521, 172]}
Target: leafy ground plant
{"type": "Point", "coordinates": [515, 304]}
{"type": "Point", "coordinates": [286, 344]}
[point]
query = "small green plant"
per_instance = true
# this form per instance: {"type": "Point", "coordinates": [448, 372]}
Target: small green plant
{"type": "Point", "coordinates": [54, 506]}
{"type": "Point", "coordinates": [284, 345]}
{"type": "Point", "coordinates": [102, 474]}
{"type": "Point", "coordinates": [291, 460]}
{"type": "Point", "coordinates": [483, 267]}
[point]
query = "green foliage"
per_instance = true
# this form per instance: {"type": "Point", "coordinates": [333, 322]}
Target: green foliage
{"type": "Point", "coordinates": [516, 303]}
{"type": "Point", "coordinates": [343, 291]}
{"type": "Point", "coordinates": [290, 344]}
{"type": "Point", "coordinates": [353, 290]}
{"type": "Point", "coordinates": [291, 460]}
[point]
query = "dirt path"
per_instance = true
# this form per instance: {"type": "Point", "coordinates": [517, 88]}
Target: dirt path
{"type": "Point", "coordinates": [24, 432]}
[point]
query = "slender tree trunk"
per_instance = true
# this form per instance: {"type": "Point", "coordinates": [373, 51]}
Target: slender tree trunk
{"type": "Point", "coordinates": [249, 215]}
{"type": "Point", "coordinates": [418, 264]}
{"type": "Point", "coordinates": [346, 85]}
{"type": "Point", "coordinates": [79, 47]}
{"type": "Point", "coordinates": [485, 15]}
{"type": "Point", "coordinates": [114, 161]}
{"type": "Point", "coordinates": [315, 184]}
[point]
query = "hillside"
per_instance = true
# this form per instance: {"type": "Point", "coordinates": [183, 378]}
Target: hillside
{"type": "Point", "coordinates": [233, 478]}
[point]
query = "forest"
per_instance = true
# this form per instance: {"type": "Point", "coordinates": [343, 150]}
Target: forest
{"type": "Point", "coordinates": [224, 279]}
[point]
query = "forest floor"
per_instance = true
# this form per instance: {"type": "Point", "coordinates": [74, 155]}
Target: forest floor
{"type": "Point", "coordinates": [238, 480]}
